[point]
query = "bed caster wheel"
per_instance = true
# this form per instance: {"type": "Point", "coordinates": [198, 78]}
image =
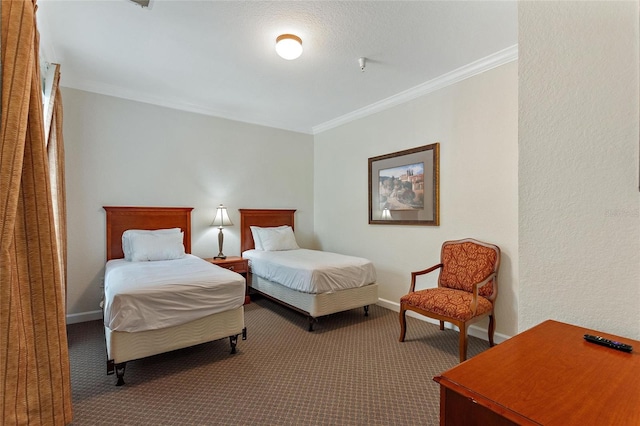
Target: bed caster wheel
{"type": "Point", "coordinates": [120, 373]}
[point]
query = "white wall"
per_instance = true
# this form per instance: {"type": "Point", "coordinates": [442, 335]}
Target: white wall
{"type": "Point", "coordinates": [120, 152]}
{"type": "Point", "coordinates": [476, 123]}
{"type": "Point", "coordinates": [539, 157]}
{"type": "Point", "coordinates": [579, 224]}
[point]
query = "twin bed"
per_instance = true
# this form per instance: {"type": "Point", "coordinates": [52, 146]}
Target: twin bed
{"type": "Point", "coordinates": [318, 283]}
{"type": "Point", "coordinates": [156, 307]}
{"type": "Point", "coordinates": [179, 300]}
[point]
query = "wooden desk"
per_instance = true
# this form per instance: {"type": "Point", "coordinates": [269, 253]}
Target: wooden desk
{"type": "Point", "coordinates": [548, 375]}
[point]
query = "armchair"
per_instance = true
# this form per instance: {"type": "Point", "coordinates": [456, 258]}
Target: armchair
{"type": "Point", "coordinates": [466, 292]}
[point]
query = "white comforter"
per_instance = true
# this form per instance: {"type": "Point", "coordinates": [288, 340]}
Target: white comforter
{"type": "Point", "coordinates": [311, 271]}
{"type": "Point", "coordinates": [152, 295]}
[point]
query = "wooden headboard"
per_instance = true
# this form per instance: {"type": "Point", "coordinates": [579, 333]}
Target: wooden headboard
{"type": "Point", "coordinates": [262, 218]}
{"type": "Point", "coordinates": [119, 219]}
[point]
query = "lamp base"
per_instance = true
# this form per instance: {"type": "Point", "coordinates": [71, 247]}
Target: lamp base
{"type": "Point", "coordinates": [220, 241]}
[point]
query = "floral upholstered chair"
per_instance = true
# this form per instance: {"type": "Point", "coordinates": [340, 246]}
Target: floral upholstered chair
{"type": "Point", "coordinates": [466, 292]}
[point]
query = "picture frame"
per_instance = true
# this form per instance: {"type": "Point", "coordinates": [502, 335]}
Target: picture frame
{"type": "Point", "coordinates": [404, 187]}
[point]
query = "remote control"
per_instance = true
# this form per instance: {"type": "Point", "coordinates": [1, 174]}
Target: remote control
{"type": "Point", "coordinates": [609, 343]}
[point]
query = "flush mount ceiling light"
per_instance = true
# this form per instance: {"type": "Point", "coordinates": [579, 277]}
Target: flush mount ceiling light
{"type": "Point", "coordinates": [289, 46]}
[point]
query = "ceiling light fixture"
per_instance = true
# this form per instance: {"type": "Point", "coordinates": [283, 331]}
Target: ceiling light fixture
{"type": "Point", "coordinates": [289, 46]}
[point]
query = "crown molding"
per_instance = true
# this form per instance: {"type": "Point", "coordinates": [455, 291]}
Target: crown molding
{"type": "Point", "coordinates": [487, 63]}
{"type": "Point", "coordinates": [497, 59]}
{"type": "Point", "coordinates": [136, 96]}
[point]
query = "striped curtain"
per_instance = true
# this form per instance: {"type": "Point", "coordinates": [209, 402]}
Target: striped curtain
{"type": "Point", "coordinates": [34, 362]}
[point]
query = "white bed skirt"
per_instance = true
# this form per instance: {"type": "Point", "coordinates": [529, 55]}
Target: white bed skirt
{"type": "Point", "coordinates": [317, 305]}
{"type": "Point", "coordinates": [125, 346]}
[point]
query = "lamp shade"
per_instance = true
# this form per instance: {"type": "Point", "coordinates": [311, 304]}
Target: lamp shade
{"type": "Point", "coordinates": [289, 46]}
{"type": "Point", "coordinates": [222, 218]}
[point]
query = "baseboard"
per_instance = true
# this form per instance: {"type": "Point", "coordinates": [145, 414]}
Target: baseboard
{"type": "Point", "coordinates": [84, 317]}
{"type": "Point", "coordinates": [475, 331]}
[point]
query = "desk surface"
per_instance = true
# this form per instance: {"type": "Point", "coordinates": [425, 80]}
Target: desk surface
{"type": "Point", "coordinates": [550, 375]}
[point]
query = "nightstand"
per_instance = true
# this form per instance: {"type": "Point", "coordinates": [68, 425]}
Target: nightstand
{"type": "Point", "coordinates": [235, 264]}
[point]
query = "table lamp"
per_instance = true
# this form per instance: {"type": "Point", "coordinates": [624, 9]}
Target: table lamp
{"type": "Point", "coordinates": [221, 220]}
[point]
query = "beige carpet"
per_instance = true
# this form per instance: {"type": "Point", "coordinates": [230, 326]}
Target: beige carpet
{"type": "Point", "coordinates": [350, 371]}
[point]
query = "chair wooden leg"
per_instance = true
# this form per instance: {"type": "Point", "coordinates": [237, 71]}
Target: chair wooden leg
{"type": "Point", "coordinates": [403, 323]}
{"type": "Point", "coordinates": [463, 342]}
{"type": "Point", "coordinates": [441, 325]}
{"type": "Point", "coordinates": [491, 329]}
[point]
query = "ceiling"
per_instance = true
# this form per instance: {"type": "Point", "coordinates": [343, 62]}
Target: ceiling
{"type": "Point", "coordinates": [218, 57]}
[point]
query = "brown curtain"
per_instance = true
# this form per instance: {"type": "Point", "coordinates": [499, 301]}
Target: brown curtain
{"type": "Point", "coordinates": [34, 361]}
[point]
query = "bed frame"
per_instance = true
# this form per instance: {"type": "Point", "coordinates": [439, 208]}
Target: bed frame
{"type": "Point", "coordinates": [126, 346]}
{"type": "Point", "coordinates": [311, 305]}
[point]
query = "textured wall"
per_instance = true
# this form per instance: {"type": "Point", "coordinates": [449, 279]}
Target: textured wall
{"type": "Point", "coordinates": [120, 152]}
{"type": "Point", "coordinates": [579, 227]}
{"type": "Point", "coordinates": [475, 122]}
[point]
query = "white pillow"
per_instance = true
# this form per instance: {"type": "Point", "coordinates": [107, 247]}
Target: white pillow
{"type": "Point", "coordinates": [126, 244]}
{"type": "Point", "coordinates": [278, 239]}
{"type": "Point", "coordinates": [156, 246]}
{"type": "Point", "coordinates": [256, 232]}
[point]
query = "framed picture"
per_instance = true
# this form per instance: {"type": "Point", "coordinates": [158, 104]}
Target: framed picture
{"type": "Point", "coordinates": [404, 187]}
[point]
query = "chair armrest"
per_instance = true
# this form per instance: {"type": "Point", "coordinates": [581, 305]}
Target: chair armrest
{"type": "Point", "coordinates": [474, 297]}
{"type": "Point", "coordinates": [425, 271]}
